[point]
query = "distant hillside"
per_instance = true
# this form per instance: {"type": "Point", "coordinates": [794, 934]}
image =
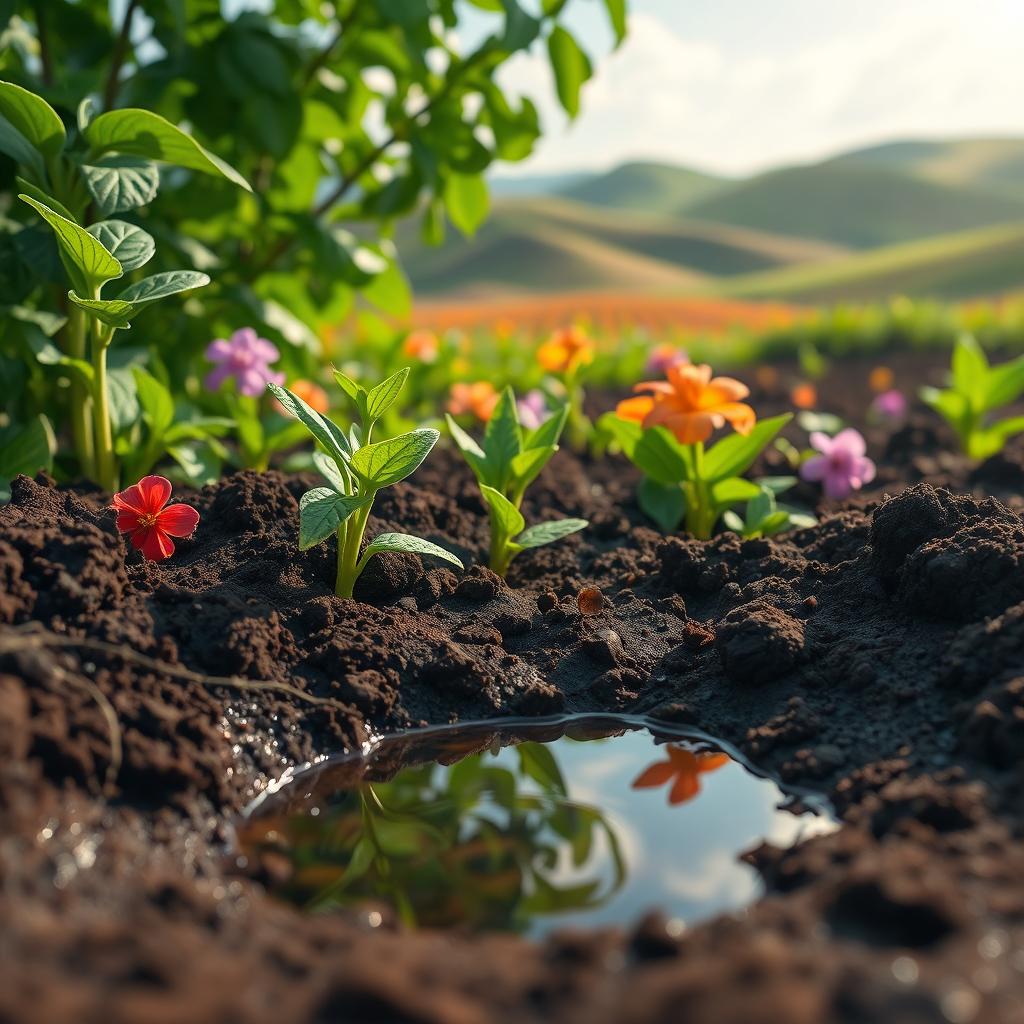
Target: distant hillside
{"type": "Point", "coordinates": [995, 165]}
{"type": "Point", "coordinates": [648, 187]}
{"type": "Point", "coordinates": [964, 265]}
{"type": "Point", "coordinates": [854, 203]}
{"type": "Point", "coordinates": [547, 245]}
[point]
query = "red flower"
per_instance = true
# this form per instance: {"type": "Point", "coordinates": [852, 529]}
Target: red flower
{"type": "Point", "coordinates": [149, 525]}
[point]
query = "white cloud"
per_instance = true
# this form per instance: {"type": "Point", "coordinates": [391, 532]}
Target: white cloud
{"type": "Point", "coordinates": [905, 68]}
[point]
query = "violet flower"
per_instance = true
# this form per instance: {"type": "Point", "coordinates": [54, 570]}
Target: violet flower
{"type": "Point", "coordinates": [663, 357]}
{"type": "Point", "coordinates": [247, 358]}
{"type": "Point", "coordinates": [890, 406]}
{"type": "Point", "coordinates": [842, 466]}
{"type": "Point", "coordinates": [533, 409]}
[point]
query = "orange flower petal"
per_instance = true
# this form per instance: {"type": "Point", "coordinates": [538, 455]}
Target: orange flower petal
{"type": "Point", "coordinates": [686, 788]}
{"type": "Point", "coordinates": [741, 417]}
{"type": "Point", "coordinates": [656, 774]}
{"type": "Point", "coordinates": [635, 409]}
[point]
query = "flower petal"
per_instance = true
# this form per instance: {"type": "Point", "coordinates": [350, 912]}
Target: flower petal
{"type": "Point", "coordinates": [724, 389]}
{"type": "Point", "coordinates": [178, 520]}
{"type": "Point", "coordinates": [821, 442]}
{"type": "Point", "coordinates": [814, 469]}
{"type": "Point", "coordinates": [686, 788]}
{"type": "Point", "coordinates": [251, 382]}
{"type": "Point", "coordinates": [837, 485]}
{"type": "Point", "coordinates": [688, 427]}
{"type": "Point", "coordinates": [213, 380]}
{"type": "Point", "coordinates": [131, 499]}
{"type": "Point", "coordinates": [153, 543]}
{"type": "Point", "coordinates": [656, 774]}
{"type": "Point", "coordinates": [852, 441]}
{"type": "Point", "coordinates": [265, 350]}
{"type": "Point", "coordinates": [740, 416]}
{"type": "Point", "coordinates": [634, 409]}
{"type": "Point", "coordinates": [218, 351]}
{"type": "Point", "coordinates": [155, 490]}
{"type": "Point", "coordinates": [127, 520]}
{"type": "Point", "coordinates": [244, 338]}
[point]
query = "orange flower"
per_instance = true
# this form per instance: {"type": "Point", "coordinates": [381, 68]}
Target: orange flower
{"type": "Point", "coordinates": [690, 404]}
{"type": "Point", "coordinates": [422, 345]}
{"type": "Point", "coordinates": [881, 379]}
{"type": "Point", "coordinates": [312, 394]}
{"type": "Point", "coordinates": [478, 398]}
{"type": "Point", "coordinates": [804, 396]}
{"type": "Point", "coordinates": [566, 350]}
{"type": "Point", "coordinates": [684, 767]}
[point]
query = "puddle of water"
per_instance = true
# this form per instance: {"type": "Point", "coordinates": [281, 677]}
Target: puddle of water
{"type": "Point", "coordinates": [568, 826]}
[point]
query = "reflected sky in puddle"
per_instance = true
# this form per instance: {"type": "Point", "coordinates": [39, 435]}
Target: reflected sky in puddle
{"type": "Point", "coordinates": [525, 838]}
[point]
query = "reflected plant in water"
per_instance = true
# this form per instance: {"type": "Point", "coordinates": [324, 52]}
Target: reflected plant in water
{"type": "Point", "coordinates": [664, 432]}
{"type": "Point", "coordinates": [355, 469]}
{"type": "Point", "coordinates": [475, 845]}
{"type": "Point", "coordinates": [977, 390]}
{"type": "Point", "coordinates": [509, 461]}
{"type": "Point", "coordinates": [681, 770]}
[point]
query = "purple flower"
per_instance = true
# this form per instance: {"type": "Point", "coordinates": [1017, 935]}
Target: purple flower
{"type": "Point", "coordinates": [663, 357]}
{"type": "Point", "coordinates": [842, 466]}
{"type": "Point", "coordinates": [247, 358]}
{"type": "Point", "coordinates": [890, 405]}
{"type": "Point", "coordinates": [533, 409]}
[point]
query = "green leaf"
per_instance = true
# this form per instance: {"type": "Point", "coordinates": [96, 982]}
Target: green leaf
{"type": "Point", "coordinates": [987, 442]}
{"type": "Point", "coordinates": [385, 394]}
{"type": "Point", "coordinates": [328, 469]}
{"type": "Point", "coordinates": [87, 262]}
{"type": "Point", "coordinates": [970, 371]}
{"type": "Point", "coordinates": [33, 117]}
{"type": "Point", "coordinates": [549, 432]}
{"type": "Point", "coordinates": [25, 449]}
{"type": "Point", "coordinates": [123, 396]}
{"type": "Point", "coordinates": [666, 505]}
{"type": "Point", "coordinates": [526, 466]}
{"type": "Point", "coordinates": [952, 406]}
{"type": "Point", "coordinates": [353, 390]}
{"type": "Point", "coordinates": [160, 286]}
{"type": "Point", "coordinates": [405, 543]}
{"type": "Point", "coordinates": [736, 453]}
{"type": "Point", "coordinates": [119, 183]}
{"type": "Point", "coordinates": [47, 354]}
{"type": "Point", "coordinates": [520, 28]}
{"type": "Point", "coordinates": [508, 517]}
{"type": "Point", "coordinates": [661, 456]}
{"type": "Point", "coordinates": [329, 434]}
{"type": "Point", "coordinates": [114, 313]}
{"type": "Point", "coordinates": [40, 196]}
{"type": "Point", "coordinates": [20, 150]}
{"type": "Point", "coordinates": [732, 491]}
{"type": "Point", "coordinates": [547, 533]}
{"type": "Point", "coordinates": [537, 761]}
{"type": "Point", "coordinates": [776, 484]}
{"type": "Point", "coordinates": [143, 133]}
{"type": "Point", "coordinates": [156, 401]}
{"type": "Point", "coordinates": [387, 462]}
{"type": "Point", "coordinates": [617, 16]}
{"type": "Point", "coordinates": [465, 196]}
{"type": "Point", "coordinates": [471, 451]}
{"type": "Point", "coordinates": [571, 67]}
{"type": "Point", "coordinates": [625, 433]}
{"type": "Point", "coordinates": [1005, 384]}
{"type": "Point", "coordinates": [129, 245]}
{"type": "Point", "coordinates": [321, 513]}
{"type": "Point", "coordinates": [734, 523]}
{"type": "Point", "coordinates": [503, 440]}
{"type": "Point", "coordinates": [773, 523]}
{"type": "Point", "coordinates": [761, 505]}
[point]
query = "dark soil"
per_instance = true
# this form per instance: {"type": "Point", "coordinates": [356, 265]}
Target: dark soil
{"type": "Point", "coordinates": [877, 658]}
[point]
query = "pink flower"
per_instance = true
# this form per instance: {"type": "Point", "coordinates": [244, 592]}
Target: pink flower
{"type": "Point", "coordinates": [532, 409]}
{"type": "Point", "coordinates": [842, 466]}
{"type": "Point", "coordinates": [890, 406]}
{"type": "Point", "coordinates": [662, 358]}
{"type": "Point", "coordinates": [247, 358]}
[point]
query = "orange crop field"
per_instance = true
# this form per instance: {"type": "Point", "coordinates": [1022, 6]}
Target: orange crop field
{"type": "Point", "coordinates": [609, 312]}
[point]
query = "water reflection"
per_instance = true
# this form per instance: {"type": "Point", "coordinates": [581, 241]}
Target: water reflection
{"type": "Point", "coordinates": [495, 838]}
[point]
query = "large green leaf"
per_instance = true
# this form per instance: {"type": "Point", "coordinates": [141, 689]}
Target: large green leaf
{"type": "Point", "coordinates": [328, 433]}
{"type": "Point", "coordinates": [617, 17]}
{"type": "Point", "coordinates": [41, 197]}
{"type": "Point", "coordinates": [119, 183]}
{"type": "Point", "coordinates": [87, 262]}
{"type": "Point", "coordinates": [1004, 384]}
{"type": "Point", "coordinates": [735, 454]}
{"type": "Point", "coordinates": [33, 117]}
{"type": "Point", "coordinates": [160, 286]}
{"type": "Point", "coordinates": [732, 491]}
{"type": "Point", "coordinates": [25, 449]}
{"type": "Point", "coordinates": [465, 196]}
{"type": "Point", "coordinates": [20, 150]}
{"type": "Point", "coordinates": [321, 513]}
{"type": "Point", "coordinates": [385, 394]}
{"type": "Point", "coordinates": [143, 133]}
{"type": "Point", "coordinates": [387, 462]}
{"type": "Point", "coordinates": [970, 371]}
{"type": "Point", "coordinates": [547, 533]}
{"type": "Point", "coordinates": [571, 67]}
{"type": "Point", "coordinates": [472, 452]}
{"type": "Point", "coordinates": [661, 456]}
{"type": "Point", "coordinates": [665, 504]}
{"type": "Point", "coordinates": [156, 401]}
{"type": "Point", "coordinates": [114, 313]}
{"type": "Point", "coordinates": [406, 544]}
{"type": "Point", "coordinates": [128, 244]}
{"type": "Point", "coordinates": [508, 517]}
{"type": "Point", "coordinates": [503, 440]}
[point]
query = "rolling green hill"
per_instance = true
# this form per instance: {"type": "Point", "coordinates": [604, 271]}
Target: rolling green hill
{"type": "Point", "coordinates": [958, 266]}
{"type": "Point", "coordinates": [853, 203]}
{"type": "Point", "coordinates": [648, 187]}
{"type": "Point", "coordinates": [555, 245]}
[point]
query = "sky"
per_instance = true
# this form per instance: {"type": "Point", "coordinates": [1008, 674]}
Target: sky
{"type": "Point", "coordinates": [739, 86]}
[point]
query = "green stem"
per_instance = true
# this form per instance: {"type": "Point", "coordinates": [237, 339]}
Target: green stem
{"type": "Point", "coordinates": [500, 556]}
{"type": "Point", "coordinates": [81, 425]}
{"type": "Point", "coordinates": [700, 513]}
{"type": "Point", "coordinates": [105, 465]}
{"type": "Point", "coordinates": [350, 538]}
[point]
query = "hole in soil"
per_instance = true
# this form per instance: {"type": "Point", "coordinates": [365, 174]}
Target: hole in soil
{"type": "Point", "coordinates": [525, 827]}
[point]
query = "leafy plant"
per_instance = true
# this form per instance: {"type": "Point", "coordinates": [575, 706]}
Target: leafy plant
{"type": "Point", "coordinates": [356, 468]}
{"type": "Point", "coordinates": [764, 516]}
{"type": "Point", "coordinates": [510, 459]}
{"type": "Point", "coordinates": [977, 390]}
{"type": "Point", "coordinates": [686, 482]}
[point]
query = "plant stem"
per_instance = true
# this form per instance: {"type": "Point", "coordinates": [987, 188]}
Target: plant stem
{"type": "Point", "coordinates": [106, 469]}
{"type": "Point", "coordinates": [45, 59]}
{"type": "Point", "coordinates": [350, 538]}
{"type": "Point", "coordinates": [81, 426]}
{"type": "Point", "coordinates": [117, 58]}
{"type": "Point", "coordinates": [500, 556]}
{"type": "Point", "coordinates": [700, 513]}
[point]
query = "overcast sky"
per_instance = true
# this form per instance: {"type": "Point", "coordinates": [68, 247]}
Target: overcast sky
{"type": "Point", "coordinates": [737, 86]}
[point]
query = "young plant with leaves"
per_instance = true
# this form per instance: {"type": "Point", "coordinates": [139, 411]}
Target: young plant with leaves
{"type": "Point", "coordinates": [977, 391]}
{"type": "Point", "coordinates": [510, 459]}
{"type": "Point", "coordinates": [764, 516]}
{"type": "Point", "coordinates": [664, 435]}
{"type": "Point", "coordinates": [356, 468]}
